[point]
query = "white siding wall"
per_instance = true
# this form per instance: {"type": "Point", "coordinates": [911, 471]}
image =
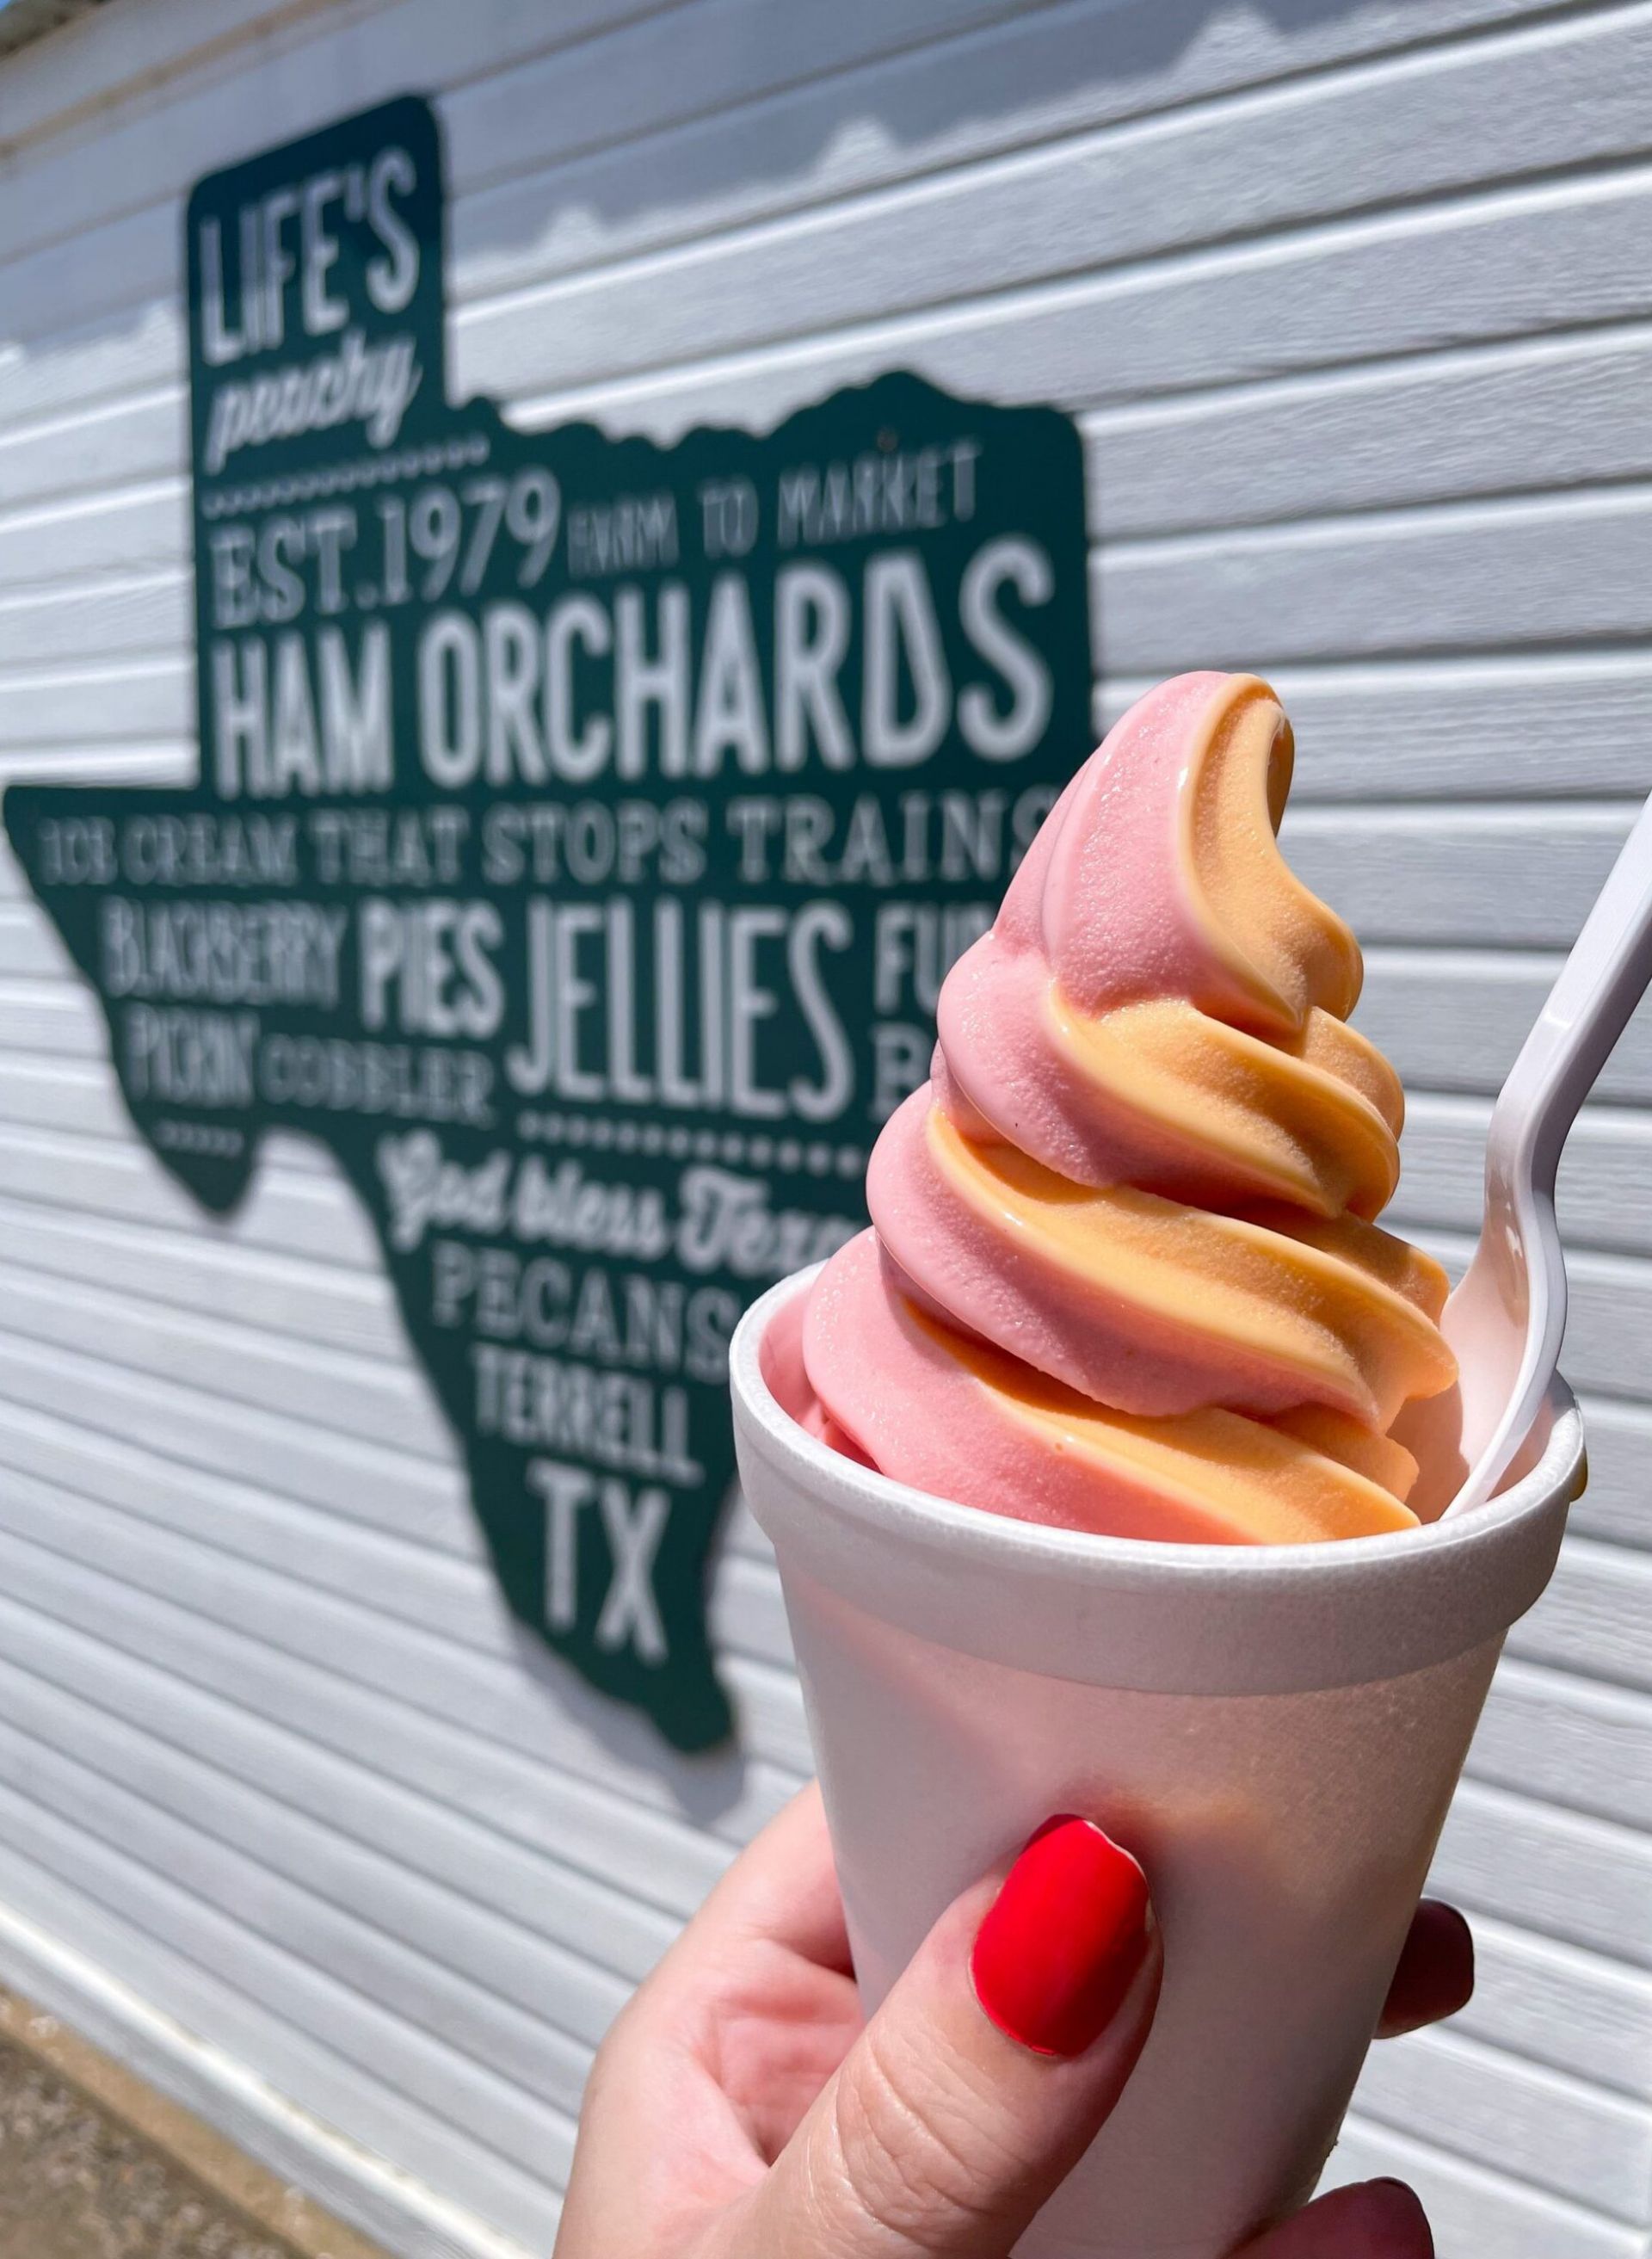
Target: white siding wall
{"type": "Point", "coordinates": [1355, 300]}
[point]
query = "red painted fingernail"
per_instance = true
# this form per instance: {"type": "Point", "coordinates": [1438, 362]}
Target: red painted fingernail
{"type": "Point", "coordinates": [1064, 1939]}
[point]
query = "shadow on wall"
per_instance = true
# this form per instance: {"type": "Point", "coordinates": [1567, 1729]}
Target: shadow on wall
{"type": "Point", "coordinates": [770, 99]}
{"type": "Point", "coordinates": [744, 124]}
{"type": "Point", "coordinates": [704, 1788]}
{"type": "Point", "coordinates": [643, 128]}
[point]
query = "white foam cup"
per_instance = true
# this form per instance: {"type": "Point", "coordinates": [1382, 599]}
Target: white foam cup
{"type": "Point", "coordinates": [1274, 1731]}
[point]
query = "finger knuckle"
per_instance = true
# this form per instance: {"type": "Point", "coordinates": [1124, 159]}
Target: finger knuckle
{"type": "Point", "coordinates": [916, 2146]}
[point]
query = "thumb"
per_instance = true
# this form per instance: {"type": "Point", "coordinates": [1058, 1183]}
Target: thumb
{"type": "Point", "coordinates": [982, 2079]}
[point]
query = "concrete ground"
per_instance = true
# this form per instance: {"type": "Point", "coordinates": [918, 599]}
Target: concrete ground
{"type": "Point", "coordinates": [75, 2183]}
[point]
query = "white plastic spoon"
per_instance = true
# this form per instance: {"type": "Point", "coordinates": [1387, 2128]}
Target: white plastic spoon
{"type": "Point", "coordinates": [1507, 1316]}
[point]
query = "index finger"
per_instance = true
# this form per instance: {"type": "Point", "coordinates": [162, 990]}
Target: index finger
{"type": "Point", "coordinates": [783, 1890]}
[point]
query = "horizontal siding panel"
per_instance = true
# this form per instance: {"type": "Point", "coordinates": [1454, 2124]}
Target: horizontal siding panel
{"type": "Point", "coordinates": [50, 1015]}
{"type": "Point", "coordinates": [1605, 1182]}
{"type": "Point", "coordinates": [80, 1096]}
{"type": "Point", "coordinates": [733, 112]}
{"type": "Point", "coordinates": [316, 1302]}
{"type": "Point", "coordinates": [81, 705]}
{"type": "Point", "coordinates": [1552, 2003]}
{"type": "Point", "coordinates": [533, 1891]}
{"type": "Point", "coordinates": [72, 1810]}
{"type": "Point", "coordinates": [1570, 2138]}
{"type": "Point", "coordinates": [1596, 1617]}
{"type": "Point", "coordinates": [301, 1212]}
{"type": "Point", "coordinates": [370, 1400]}
{"type": "Point", "coordinates": [1614, 1505]}
{"type": "Point", "coordinates": [1569, 723]}
{"type": "Point", "coordinates": [600, 72]}
{"type": "Point", "coordinates": [1449, 118]}
{"type": "Point", "coordinates": [98, 450]}
{"type": "Point", "coordinates": [1610, 1322]}
{"type": "Point", "coordinates": [1500, 876]}
{"type": "Point", "coordinates": [612, 1824]}
{"type": "Point", "coordinates": [1586, 1881]}
{"type": "Point", "coordinates": [141, 614]}
{"type": "Point", "coordinates": [1455, 1019]}
{"type": "Point", "coordinates": [769, 1708]}
{"type": "Point", "coordinates": [748, 1614]}
{"type": "Point", "coordinates": [135, 1811]}
{"type": "Point", "coordinates": [134, 529]}
{"type": "Point", "coordinates": [1542, 569]}
{"type": "Point", "coordinates": [106, 325]}
{"type": "Point", "coordinates": [152, 153]}
{"type": "Point", "coordinates": [1475, 2211]}
{"type": "Point", "coordinates": [1606, 1185]}
{"type": "Point", "coordinates": [1573, 1742]}
{"type": "Point", "coordinates": [443, 1589]}
{"type": "Point", "coordinates": [43, 1080]}
{"type": "Point", "coordinates": [543, 1715]}
{"type": "Point", "coordinates": [959, 102]}
{"type": "Point", "coordinates": [124, 763]}
{"type": "Point", "coordinates": [108, 298]}
{"type": "Point", "coordinates": [615, 88]}
{"type": "Point", "coordinates": [1507, 264]}
{"type": "Point", "coordinates": [134, 1932]}
{"type": "Point", "coordinates": [336, 1472]}
{"type": "Point", "coordinates": [1493, 419]}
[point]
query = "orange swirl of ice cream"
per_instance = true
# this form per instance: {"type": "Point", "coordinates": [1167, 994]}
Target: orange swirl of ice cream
{"type": "Point", "coordinates": [1123, 1273]}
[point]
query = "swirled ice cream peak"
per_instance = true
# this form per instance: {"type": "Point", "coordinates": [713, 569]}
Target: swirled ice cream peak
{"type": "Point", "coordinates": [1124, 1273]}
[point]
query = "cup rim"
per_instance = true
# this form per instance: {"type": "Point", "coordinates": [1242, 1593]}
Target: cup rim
{"type": "Point", "coordinates": [883, 1498]}
{"type": "Point", "coordinates": [1312, 1614]}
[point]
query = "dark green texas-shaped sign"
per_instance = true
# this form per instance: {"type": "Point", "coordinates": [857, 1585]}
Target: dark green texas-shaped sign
{"type": "Point", "coordinates": [583, 828]}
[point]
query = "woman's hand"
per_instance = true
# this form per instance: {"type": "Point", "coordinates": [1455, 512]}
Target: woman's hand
{"type": "Point", "coordinates": [741, 2108]}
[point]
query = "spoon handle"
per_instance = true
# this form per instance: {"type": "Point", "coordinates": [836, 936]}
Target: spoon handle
{"type": "Point", "coordinates": [1599, 985]}
{"type": "Point", "coordinates": [1517, 1274]}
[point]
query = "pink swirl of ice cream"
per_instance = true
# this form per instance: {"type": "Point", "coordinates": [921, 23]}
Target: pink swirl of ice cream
{"type": "Point", "coordinates": [1123, 1273]}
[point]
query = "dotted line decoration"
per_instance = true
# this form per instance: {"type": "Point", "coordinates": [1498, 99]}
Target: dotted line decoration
{"type": "Point", "coordinates": [346, 478]}
{"type": "Point", "coordinates": [815, 1156]}
{"type": "Point", "coordinates": [196, 1137]}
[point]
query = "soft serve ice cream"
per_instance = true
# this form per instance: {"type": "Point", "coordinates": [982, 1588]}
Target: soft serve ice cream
{"type": "Point", "coordinates": [1123, 1273]}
